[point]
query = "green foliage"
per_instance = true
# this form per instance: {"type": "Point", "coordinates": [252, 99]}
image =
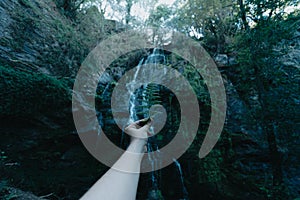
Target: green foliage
{"type": "Point", "coordinates": [149, 97]}
{"type": "Point", "coordinates": [258, 59]}
{"type": "Point", "coordinates": [160, 15]}
{"type": "Point", "coordinates": [31, 94]}
{"type": "Point", "coordinates": [69, 7]}
{"type": "Point", "coordinates": [217, 24]}
{"type": "Point", "coordinates": [197, 83]}
{"type": "Point", "coordinates": [152, 94]}
{"type": "Point", "coordinates": [214, 22]}
{"type": "Point", "coordinates": [49, 43]}
{"type": "Point", "coordinates": [43, 40]}
{"type": "Point", "coordinates": [210, 168]}
{"type": "Point", "coordinates": [265, 10]}
{"type": "Point", "coordinates": [263, 77]}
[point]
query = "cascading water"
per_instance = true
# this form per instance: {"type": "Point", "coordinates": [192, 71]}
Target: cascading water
{"type": "Point", "coordinates": [130, 88]}
{"type": "Point", "coordinates": [154, 158]}
{"type": "Point", "coordinates": [154, 155]}
{"type": "Point", "coordinates": [184, 191]}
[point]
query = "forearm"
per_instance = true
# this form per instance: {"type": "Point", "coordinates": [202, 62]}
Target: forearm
{"type": "Point", "coordinates": [115, 184]}
{"type": "Point", "coordinates": [130, 161]}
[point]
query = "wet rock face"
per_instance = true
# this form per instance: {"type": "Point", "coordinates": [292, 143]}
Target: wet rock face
{"type": "Point", "coordinates": [5, 21]}
{"type": "Point", "coordinates": [35, 36]}
{"type": "Point", "coordinates": [30, 32]}
{"type": "Point", "coordinates": [236, 109]}
{"type": "Point", "coordinates": [251, 159]}
{"type": "Point", "coordinates": [291, 59]}
{"type": "Point", "coordinates": [18, 194]}
{"type": "Point", "coordinates": [224, 60]}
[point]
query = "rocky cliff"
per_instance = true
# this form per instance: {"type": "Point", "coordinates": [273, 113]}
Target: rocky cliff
{"type": "Point", "coordinates": [40, 53]}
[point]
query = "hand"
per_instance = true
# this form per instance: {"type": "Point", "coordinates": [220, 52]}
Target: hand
{"type": "Point", "coordinates": [137, 132]}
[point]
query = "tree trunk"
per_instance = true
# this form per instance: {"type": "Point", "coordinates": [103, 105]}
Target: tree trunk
{"type": "Point", "coordinates": [243, 14]}
{"type": "Point", "coordinates": [275, 156]}
{"type": "Point", "coordinates": [268, 129]}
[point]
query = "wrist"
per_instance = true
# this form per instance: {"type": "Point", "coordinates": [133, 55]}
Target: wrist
{"type": "Point", "coordinates": [137, 145]}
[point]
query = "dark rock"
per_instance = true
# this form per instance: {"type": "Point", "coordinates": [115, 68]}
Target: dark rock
{"type": "Point", "coordinates": [221, 59]}
{"type": "Point", "coordinates": [224, 60]}
{"type": "Point", "coordinates": [18, 194]}
{"type": "Point", "coordinates": [36, 36]}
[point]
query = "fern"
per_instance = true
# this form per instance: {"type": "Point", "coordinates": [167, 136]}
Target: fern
{"type": "Point", "coordinates": [148, 97]}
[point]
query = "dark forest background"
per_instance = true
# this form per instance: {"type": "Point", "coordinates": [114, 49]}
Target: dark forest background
{"type": "Point", "coordinates": [255, 44]}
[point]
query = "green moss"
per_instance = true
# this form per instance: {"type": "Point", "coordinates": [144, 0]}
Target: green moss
{"type": "Point", "coordinates": [210, 168]}
{"type": "Point", "coordinates": [27, 94]}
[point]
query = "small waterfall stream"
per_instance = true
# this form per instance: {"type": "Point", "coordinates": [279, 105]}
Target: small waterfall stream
{"type": "Point", "coordinates": [130, 88]}
{"type": "Point", "coordinates": [184, 191]}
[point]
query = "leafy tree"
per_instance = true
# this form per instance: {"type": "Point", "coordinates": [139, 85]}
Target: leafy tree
{"type": "Point", "coordinates": [70, 7]}
{"type": "Point", "coordinates": [262, 76]}
{"type": "Point", "coordinates": [212, 21]}
{"type": "Point", "coordinates": [160, 16]}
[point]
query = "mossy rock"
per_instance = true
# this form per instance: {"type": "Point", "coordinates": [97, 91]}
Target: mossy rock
{"type": "Point", "coordinates": [32, 95]}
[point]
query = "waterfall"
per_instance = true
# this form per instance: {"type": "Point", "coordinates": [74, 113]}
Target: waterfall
{"type": "Point", "coordinates": [130, 88]}
{"type": "Point", "coordinates": [184, 191]}
{"type": "Point", "coordinates": [154, 58]}
{"type": "Point", "coordinates": [154, 155]}
{"type": "Point", "coordinates": [153, 161]}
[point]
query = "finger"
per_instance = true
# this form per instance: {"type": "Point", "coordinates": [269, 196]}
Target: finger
{"type": "Point", "coordinates": [138, 121]}
{"type": "Point", "coordinates": [141, 122]}
{"type": "Point", "coordinates": [134, 125]}
{"type": "Point", "coordinates": [144, 121]}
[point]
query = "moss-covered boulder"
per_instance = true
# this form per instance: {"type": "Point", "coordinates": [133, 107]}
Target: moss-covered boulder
{"type": "Point", "coordinates": [34, 97]}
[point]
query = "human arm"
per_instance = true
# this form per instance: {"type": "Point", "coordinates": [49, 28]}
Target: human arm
{"type": "Point", "coordinates": [116, 184]}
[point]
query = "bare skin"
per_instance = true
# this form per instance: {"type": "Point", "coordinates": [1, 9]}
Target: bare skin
{"type": "Point", "coordinates": [115, 184]}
